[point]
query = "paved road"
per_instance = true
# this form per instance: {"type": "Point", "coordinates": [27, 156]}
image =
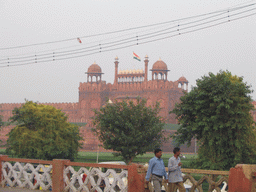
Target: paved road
{"type": "Point", "coordinates": [9, 189]}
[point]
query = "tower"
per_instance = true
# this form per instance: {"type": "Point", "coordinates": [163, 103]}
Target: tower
{"type": "Point", "coordinates": [146, 68]}
{"type": "Point", "coordinates": [116, 69]}
{"type": "Point", "coordinates": [94, 71]}
{"type": "Point", "coordinates": [183, 81]}
{"type": "Point", "coordinates": [159, 71]}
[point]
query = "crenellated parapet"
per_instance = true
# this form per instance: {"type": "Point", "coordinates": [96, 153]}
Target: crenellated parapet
{"type": "Point", "coordinates": [148, 85]}
{"type": "Point", "coordinates": [92, 86]}
{"type": "Point", "coordinates": [130, 76]}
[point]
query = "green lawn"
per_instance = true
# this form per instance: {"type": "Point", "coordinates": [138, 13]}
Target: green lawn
{"type": "Point", "coordinates": [91, 157]}
{"type": "Point", "coordinates": [170, 126]}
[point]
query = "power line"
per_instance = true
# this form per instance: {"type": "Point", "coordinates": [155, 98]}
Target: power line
{"type": "Point", "coordinates": [54, 58]}
{"type": "Point", "coordinates": [122, 41]}
{"type": "Point", "coordinates": [134, 44]}
{"type": "Point", "coordinates": [87, 43]}
{"type": "Point", "coordinates": [122, 30]}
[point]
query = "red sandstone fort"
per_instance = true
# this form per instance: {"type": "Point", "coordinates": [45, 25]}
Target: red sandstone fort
{"type": "Point", "coordinates": [127, 83]}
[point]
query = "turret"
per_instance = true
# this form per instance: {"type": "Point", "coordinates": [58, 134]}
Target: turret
{"type": "Point", "coordinates": [159, 70]}
{"type": "Point", "coordinates": [94, 71]}
{"type": "Point", "coordinates": [116, 69]}
{"type": "Point", "coordinates": [146, 68]}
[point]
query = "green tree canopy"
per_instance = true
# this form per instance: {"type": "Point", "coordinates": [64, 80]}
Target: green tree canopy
{"type": "Point", "coordinates": [42, 132]}
{"type": "Point", "coordinates": [217, 113]}
{"type": "Point", "coordinates": [129, 128]}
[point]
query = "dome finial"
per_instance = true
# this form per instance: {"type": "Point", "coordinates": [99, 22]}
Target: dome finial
{"type": "Point", "coordinates": [146, 57]}
{"type": "Point", "coordinates": [159, 59]}
{"type": "Point", "coordinates": [160, 65]}
{"type": "Point", "coordinates": [116, 58]}
{"type": "Point", "coordinates": [94, 68]}
{"type": "Point", "coordinates": [94, 62]}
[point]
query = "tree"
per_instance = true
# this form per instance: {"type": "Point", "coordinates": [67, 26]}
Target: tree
{"type": "Point", "coordinates": [42, 132]}
{"type": "Point", "coordinates": [129, 128]}
{"type": "Point", "coordinates": [217, 113]}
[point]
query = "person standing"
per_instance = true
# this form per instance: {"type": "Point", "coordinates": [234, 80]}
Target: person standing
{"type": "Point", "coordinates": [174, 172]}
{"type": "Point", "coordinates": [157, 169]}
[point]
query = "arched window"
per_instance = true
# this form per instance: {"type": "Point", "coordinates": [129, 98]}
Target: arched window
{"type": "Point", "coordinates": [160, 76]}
{"type": "Point", "coordinates": [155, 76]}
{"type": "Point", "coordinates": [93, 78]}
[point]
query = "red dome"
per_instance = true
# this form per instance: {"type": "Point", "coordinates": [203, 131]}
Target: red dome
{"type": "Point", "coordinates": [94, 68]}
{"type": "Point", "coordinates": [182, 79]}
{"type": "Point", "coordinates": [159, 65]}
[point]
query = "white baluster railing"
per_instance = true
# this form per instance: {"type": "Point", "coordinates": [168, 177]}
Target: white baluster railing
{"type": "Point", "coordinates": [26, 175]}
{"type": "Point", "coordinates": [111, 180]}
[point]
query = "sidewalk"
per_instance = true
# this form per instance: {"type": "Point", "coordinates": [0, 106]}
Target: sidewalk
{"type": "Point", "coordinates": [16, 189]}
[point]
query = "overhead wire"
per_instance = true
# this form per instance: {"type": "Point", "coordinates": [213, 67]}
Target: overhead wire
{"type": "Point", "coordinates": [35, 61]}
{"type": "Point", "coordinates": [128, 45]}
{"type": "Point", "coordinates": [117, 31]}
{"type": "Point", "coordinates": [118, 42]}
{"type": "Point", "coordinates": [194, 30]}
{"type": "Point", "coordinates": [150, 41]}
{"type": "Point", "coordinates": [79, 45]}
{"type": "Point", "coordinates": [38, 54]}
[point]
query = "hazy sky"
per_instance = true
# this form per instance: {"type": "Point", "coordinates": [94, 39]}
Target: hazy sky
{"type": "Point", "coordinates": [231, 45]}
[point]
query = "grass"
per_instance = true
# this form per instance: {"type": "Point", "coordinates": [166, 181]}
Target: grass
{"type": "Point", "coordinates": [2, 151]}
{"type": "Point", "coordinates": [170, 126]}
{"type": "Point", "coordinates": [91, 157]}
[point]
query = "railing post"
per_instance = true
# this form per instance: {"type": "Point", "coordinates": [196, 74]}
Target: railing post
{"type": "Point", "coordinates": [58, 166]}
{"type": "Point", "coordinates": [241, 178]}
{"type": "Point", "coordinates": [136, 178]}
{"type": "Point", "coordinates": [1, 159]}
